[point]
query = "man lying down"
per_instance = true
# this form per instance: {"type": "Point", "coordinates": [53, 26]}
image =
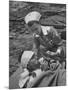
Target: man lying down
{"type": "Point", "coordinates": [45, 64]}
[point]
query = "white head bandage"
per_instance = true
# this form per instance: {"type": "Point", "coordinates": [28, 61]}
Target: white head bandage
{"type": "Point", "coordinates": [32, 16]}
{"type": "Point", "coordinates": [45, 29]}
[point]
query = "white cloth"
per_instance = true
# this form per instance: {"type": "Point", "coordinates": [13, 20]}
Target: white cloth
{"type": "Point", "coordinates": [23, 78]}
{"type": "Point", "coordinates": [32, 16]}
{"type": "Point", "coordinates": [26, 56]}
{"type": "Point", "coordinates": [23, 81]}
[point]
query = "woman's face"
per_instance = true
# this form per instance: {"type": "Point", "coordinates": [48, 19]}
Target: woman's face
{"type": "Point", "coordinates": [36, 28]}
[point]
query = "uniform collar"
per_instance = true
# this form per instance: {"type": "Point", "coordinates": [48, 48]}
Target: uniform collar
{"type": "Point", "coordinates": [45, 29]}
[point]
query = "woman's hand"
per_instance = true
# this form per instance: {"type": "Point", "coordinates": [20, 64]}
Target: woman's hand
{"type": "Point", "coordinates": [58, 52]}
{"type": "Point", "coordinates": [51, 53]}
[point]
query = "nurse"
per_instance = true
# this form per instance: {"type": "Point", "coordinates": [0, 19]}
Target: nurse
{"type": "Point", "coordinates": [46, 38]}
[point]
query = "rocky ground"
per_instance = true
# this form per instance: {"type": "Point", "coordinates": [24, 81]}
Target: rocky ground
{"type": "Point", "coordinates": [20, 38]}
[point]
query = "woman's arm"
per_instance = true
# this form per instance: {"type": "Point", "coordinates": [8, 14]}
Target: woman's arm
{"type": "Point", "coordinates": [59, 49]}
{"type": "Point", "coordinates": [36, 43]}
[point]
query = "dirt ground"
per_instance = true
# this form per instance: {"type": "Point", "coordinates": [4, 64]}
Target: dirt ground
{"type": "Point", "coordinates": [20, 38]}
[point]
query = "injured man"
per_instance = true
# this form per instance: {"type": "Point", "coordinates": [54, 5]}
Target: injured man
{"type": "Point", "coordinates": [41, 73]}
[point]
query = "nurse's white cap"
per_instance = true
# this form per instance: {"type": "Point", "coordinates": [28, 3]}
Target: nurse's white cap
{"type": "Point", "coordinates": [32, 16]}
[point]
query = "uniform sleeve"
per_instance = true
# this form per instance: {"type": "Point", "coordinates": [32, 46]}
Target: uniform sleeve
{"type": "Point", "coordinates": [56, 36]}
{"type": "Point", "coordinates": [36, 42]}
{"type": "Point", "coordinates": [36, 36]}
{"type": "Point", "coordinates": [63, 51]}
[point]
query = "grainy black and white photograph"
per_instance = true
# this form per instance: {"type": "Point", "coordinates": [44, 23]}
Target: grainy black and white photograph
{"type": "Point", "coordinates": [37, 44]}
